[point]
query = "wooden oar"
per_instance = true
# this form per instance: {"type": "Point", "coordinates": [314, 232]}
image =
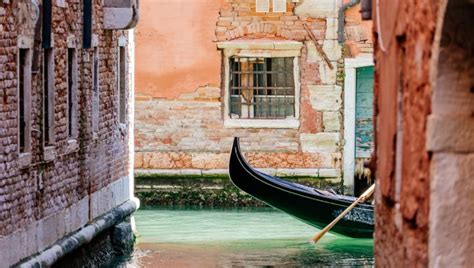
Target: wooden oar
{"type": "Point", "coordinates": [361, 198]}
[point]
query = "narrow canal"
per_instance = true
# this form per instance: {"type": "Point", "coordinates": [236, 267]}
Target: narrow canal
{"type": "Point", "coordinates": [247, 237]}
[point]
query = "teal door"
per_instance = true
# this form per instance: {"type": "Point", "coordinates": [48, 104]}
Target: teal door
{"type": "Point", "coordinates": [364, 124]}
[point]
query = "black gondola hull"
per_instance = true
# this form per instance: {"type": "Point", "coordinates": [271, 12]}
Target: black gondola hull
{"type": "Point", "coordinates": [304, 203]}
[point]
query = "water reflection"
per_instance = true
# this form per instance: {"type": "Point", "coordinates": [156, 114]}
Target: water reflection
{"type": "Point", "coordinates": [239, 238]}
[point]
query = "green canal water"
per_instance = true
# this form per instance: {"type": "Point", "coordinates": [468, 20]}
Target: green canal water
{"type": "Point", "coordinates": [239, 238]}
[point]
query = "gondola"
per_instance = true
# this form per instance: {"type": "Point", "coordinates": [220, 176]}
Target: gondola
{"type": "Point", "coordinates": [312, 206]}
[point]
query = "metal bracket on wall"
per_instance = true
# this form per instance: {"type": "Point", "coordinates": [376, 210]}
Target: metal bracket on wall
{"type": "Point", "coordinates": [318, 46]}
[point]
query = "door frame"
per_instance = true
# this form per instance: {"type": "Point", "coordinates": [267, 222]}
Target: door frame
{"type": "Point", "coordinates": [350, 85]}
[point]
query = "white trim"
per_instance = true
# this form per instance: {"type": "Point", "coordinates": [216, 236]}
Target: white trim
{"type": "Point", "coordinates": [350, 66]}
{"type": "Point", "coordinates": [71, 41]}
{"type": "Point", "coordinates": [122, 41]}
{"type": "Point", "coordinates": [95, 40]}
{"type": "Point", "coordinates": [261, 44]}
{"type": "Point", "coordinates": [290, 122]}
{"type": "Point", "coordinates": [306, 172]}
{"type": "Point", "coordinates": [261, 123]}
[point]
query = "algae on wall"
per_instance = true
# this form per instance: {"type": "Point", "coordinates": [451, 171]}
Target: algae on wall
{"type": "Point", "coordinates": [204, 191]}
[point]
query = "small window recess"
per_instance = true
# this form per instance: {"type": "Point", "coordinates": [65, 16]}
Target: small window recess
{"type": "Point", "coordinates": [87, 35]}
{"type": "Point", "coordinates": [48, 105]}
{"type": "Point", "coordinates": [262, 54]}
{"type": "Point", "coordinates": [24, 73]}
{"type": "Point", "coordinates": [95, 91]}
{"type": "Point", "coordinates": [72, 99]}
{"type": "Point", "coordinates": [122, 86]}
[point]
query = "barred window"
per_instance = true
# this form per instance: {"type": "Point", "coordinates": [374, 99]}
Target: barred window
{"type": "Point", "coordinates": [262, 88]}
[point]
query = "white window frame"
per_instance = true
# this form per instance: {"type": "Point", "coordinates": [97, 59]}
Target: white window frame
{"type": "Point", "coordinates": [261, 49]}
{"type": "Point", "coordinates": [350, 84]}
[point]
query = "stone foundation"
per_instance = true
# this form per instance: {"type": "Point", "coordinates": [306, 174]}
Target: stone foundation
{"type": "Point", "coordinates": [93, 245]}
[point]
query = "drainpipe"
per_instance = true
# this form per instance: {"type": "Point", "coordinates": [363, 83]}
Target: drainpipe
{"type": "Point", "coordinates": [341, 19]}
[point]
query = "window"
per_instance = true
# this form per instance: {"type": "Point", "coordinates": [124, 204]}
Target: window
{"type": "Point", "coordinates": [122, 80]}
{"type": "Point", "coordinates": [261, 88]}
{"type": "Point", "coordinates": [72, 92]}
{"type": "Point", "coordinates": [48, 97]}
{"type": "Point", "coordinates": [24, 104]}
{"type": "Point", "coordinates": [95, 90]}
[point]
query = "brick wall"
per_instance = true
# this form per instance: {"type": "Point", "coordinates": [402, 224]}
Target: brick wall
{"type": "Point", "coordinates": [403, 93]}
{"type": "Point", "coordinates": [425, 129]}
{"type": "Point", "coordinates": [187, 131]}
{"type": "Point", "coordinates": [45, 199]}
{"type": "Point", "coordinates": [358, 34]}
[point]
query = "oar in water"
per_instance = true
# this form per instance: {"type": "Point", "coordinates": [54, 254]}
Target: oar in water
{"type": "Point", "coordinates": [361, 198]}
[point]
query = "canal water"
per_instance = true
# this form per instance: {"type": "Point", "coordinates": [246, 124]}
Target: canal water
{"type": "Point", "coordinates": [247, 237]}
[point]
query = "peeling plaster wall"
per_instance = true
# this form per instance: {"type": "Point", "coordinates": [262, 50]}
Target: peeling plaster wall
{"type": "Point", "coordinates": [175, 52]}
{"type": "Point", "coordinates": [180, 98]}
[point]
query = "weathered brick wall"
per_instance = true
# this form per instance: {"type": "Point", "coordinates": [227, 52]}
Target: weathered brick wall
{"type": "Point", "coordinates": [403, 102]}
{"type": "Point", "coordinates": [187, 132]}
{"type": "Point", "coordinates": [44, 189]}
{"type": "Point", "coordinates": [425, 129]}
{"type": "Point", "coordinates": [358, 34]}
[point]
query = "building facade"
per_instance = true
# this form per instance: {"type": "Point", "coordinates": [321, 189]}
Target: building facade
{"type": "Point", "coordinates": [65, 85]}
{"type": "Point", "coordinates": [270, 72]}
{"type": "Point", "coordinates": [425, 133]}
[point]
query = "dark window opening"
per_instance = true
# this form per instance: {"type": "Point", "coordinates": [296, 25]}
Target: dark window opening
{"type": "Point", "coordinates": [87, 25]}
{"type": "Point", "coordinates": [95, 90]}
{"type": "Point", "coordinates": [71, 65]}
{"type": "Point", "coordinates": [262, 88]}
{"type": "Point", "coordinates": [48, 80]}
{"type": "Point", "coordinates": [47, 23]}
{"type": "Point", "coordinates": [23, 53]}
{"type": "Point", "coordinates": [122, 91]}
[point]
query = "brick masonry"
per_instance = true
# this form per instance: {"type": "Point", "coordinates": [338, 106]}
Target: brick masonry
{"type": "Point", "coordinates": [78, 168]}
{"type": "Point", "coordinates": [423, 86]}
{"type": "Point", "coordinates": [187, 131]}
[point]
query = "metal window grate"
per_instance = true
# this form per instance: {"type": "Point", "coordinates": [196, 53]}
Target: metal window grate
{"type": "Point", "coordinates": [262, 88]}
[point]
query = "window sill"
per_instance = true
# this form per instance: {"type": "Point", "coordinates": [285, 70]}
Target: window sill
{"type": "Point", "coordinates": [95, 136]}
{"type": "Point", "coordinates": [72, 146]}
{"type": "Point", "coordinates": [49, 153]}
{"type": "Point", "coordinates": [123, 128]}
{"type": "Point", "coordinates": [262, 123]}
{"type": "Point", "coordinates": [24, 160]}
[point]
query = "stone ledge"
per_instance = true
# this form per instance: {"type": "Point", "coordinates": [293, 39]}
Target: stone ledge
{"type": "Point", "coordinates": [72, 146]}
{"type": "Point", "coordinates": [283, 172]}
{"type": "Point", "coordinates": [24, 160]}
{"type": "Point", "coordinates": [73, 241]}
{"type": "Point", "coordinates": [49, 153]}
{"type": "Point", "coordinates": [261, 123]}
{"type": "Point", "coordinates": [260, 44]}
{"type": "Point", "coordinates": [329, 173]}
